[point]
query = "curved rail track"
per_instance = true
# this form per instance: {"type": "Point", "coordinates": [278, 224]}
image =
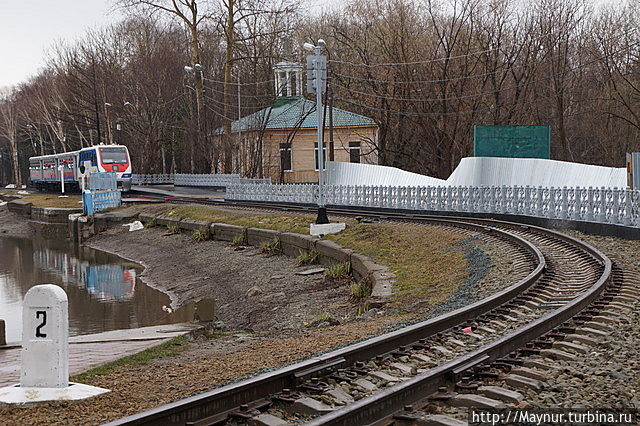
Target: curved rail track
{"type": "Point", "coordinates": [371, 382]}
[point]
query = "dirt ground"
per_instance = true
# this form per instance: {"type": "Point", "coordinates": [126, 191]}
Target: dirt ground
{"type": "Point", "coordinates": [253, 292]}
{"type": "Point", "coordinates": [292, 317]}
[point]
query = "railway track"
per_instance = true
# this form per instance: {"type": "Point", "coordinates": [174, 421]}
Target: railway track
{"type": "Point", "coordinates": [569, 286]}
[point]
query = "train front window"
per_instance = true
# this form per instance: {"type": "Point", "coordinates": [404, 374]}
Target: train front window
{"type": "Point", "coordinates": [113, 155]}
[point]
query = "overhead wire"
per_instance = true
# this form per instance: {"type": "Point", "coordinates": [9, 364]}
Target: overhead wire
{"type": "Point", "coordinates": [391, 98]}
{"type": "Point", "coordinates": [235, 83]}
{"type": "Point", "coordinates": [427, 61]}
{"type": "Point", "coordinates": [464, 77]}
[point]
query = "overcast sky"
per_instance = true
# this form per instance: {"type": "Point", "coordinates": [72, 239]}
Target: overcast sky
{"type": "Point", "coordinates": [29, 27]}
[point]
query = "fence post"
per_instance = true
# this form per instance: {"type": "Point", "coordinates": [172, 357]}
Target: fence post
{"type": "Point", "coordinates": [602, 214]}
{"type": "Point", "coordinates": [552, 203]}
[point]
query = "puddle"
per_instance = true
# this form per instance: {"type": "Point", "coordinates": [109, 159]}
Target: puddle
{"type": "Point", "coordinates": [104, 291]}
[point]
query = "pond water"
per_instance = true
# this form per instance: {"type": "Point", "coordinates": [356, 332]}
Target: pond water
{"type": "Point", "coordinates": [104, 291]}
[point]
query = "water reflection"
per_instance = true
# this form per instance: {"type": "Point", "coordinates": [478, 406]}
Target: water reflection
{"type": "Point", "coordinates": [103, 290]}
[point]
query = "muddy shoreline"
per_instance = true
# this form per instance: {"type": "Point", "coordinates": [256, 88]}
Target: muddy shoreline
{"type": "Point", "coordinates": [287, 326]}
{"type": "Point", "coordinates": [253, 292]}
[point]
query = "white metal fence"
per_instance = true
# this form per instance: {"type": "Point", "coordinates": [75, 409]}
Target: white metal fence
{"type": "Point", "coordinates": [605, 205]}
{"type": "Point", "coordinates": [213, 180]}
{"type": "Point", "coordinates": [158, 179]}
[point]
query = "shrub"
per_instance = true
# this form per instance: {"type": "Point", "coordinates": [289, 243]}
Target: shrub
{"type": "Point", "coordinates": [153, 222]}
{"type": "Point", "coordinates": [307, 257]}
{"type": "Point", "coordinates": [238, 241]}
{"type": "Point", "coordinates": [173, 228]}
{"type": "Point", "coordinates": [360, 290]}
{"type": "Point", "coordinates": [270, 247]}
{"type": "Point", "coordinates": [339, 271]}
{"type": "Point", "coordinates": [325, 316]}
{"type": "Point", "coordinates": [200, 235]}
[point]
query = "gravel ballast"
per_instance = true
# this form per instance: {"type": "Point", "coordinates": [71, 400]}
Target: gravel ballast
{"type": "Point", "coordinates": [188, 270]}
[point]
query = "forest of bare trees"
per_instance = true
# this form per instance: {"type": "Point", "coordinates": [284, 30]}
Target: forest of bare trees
{"type": "Point", "coordinates": [425, 70]}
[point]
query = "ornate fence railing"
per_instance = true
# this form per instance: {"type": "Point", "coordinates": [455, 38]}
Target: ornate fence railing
{"type": "Point", "coordinates": [162, 179]}
{"type": "Point", "coordinates": [210, 180]}
{"type": "Point", "coordinates": [602, 205]}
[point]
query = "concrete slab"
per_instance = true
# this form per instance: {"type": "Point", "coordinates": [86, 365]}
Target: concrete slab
{"type": "Point", "coordinates": [585, 340]}
{"type": "Point", "coordinates": [91, 350]}
{"type": "Point", "coordinates": [423, 359]}
{"type": "Point", "coordinates": [143, 333]}
{"type": "Point", "coordinates": [340, 396]}
{"type": "Point", "coordinates": [442, 350]}
{"type": "Point", "coordinates": [501, 394]}
{"type": "Point", "coordinates": [267, 420]}
{"type": "Point", "coordinates": [557, 354]}
{"type": "Point", "coordinates": [385, 377]}
{"type": "Point", "coordinates": [475, 401]}
{"type": "Point", "coordinates": [326, 228]}
{"type": "Point", "coordinates": [365, 384]}
{"type": "Point", "coordinates": [528, 372]}
{"type": "Point", "coordinates": [534, 363]}
{"type": "Point", "coordinates": [28, 395]}
{"type": "Point", "coordinates": [591, 332]}
{"type": "Point", "coordinates": [406, 369]}
{"type": "Point", "coordinates": [310, 406]}
{"type": "Point", "coordinates": [522, 382]}
{"type": "Point", "coordinates": [598, 326]}
{"type": "Point", "coordinates": [440, 420]}
{"type": "Point", "coordinates": [564, 345]}
{"type": "Point", "coordinates": [312, 271]}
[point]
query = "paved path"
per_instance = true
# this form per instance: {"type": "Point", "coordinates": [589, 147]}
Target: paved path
{"type": "Point", "coordinates": [92, 350]}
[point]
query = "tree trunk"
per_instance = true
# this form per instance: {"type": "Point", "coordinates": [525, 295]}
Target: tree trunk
{"type": "Point", "coordinates": [17, 175]}
{"type": "Point", "coordinates": [195, 58]}
{"type": "Point", "coordinates": [228, 68]}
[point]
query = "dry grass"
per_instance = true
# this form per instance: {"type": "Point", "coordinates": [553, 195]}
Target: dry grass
{"type": "Point", "coordinates": [286, 223]}
{"type": "Point", "coordinates": [419, 255]}
{"type": "Point", "coordinates": [49, 200]}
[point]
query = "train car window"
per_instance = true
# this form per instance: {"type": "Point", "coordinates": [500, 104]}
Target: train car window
{"type": "Point", "coordinates": [113, 155]}
{"type": "Point", "coordinates": [89, 155]}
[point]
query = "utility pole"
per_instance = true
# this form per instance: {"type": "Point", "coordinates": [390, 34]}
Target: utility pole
{"type": "Point", "coordinates": [316, 83]}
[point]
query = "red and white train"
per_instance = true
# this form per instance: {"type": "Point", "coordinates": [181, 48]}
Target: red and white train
{"type": "Point", "coordinates": [45, 171]}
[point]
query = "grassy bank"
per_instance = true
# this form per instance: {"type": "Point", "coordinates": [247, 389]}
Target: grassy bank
{"type": "Point", "coordinates": [169, 348]}
{"type": "Point", "coordinates": [49, 200]}
{"type": "Point", "coordinates": [426, 264]}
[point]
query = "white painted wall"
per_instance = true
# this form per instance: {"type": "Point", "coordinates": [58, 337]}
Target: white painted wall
{"type": "Point", "coordinates": [485, 171]}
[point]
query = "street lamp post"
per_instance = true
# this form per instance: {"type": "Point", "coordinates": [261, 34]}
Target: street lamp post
{"type": "Point", "coordinates": [316, 83]}
{"type": "Point", "coordinates": [199, 89]}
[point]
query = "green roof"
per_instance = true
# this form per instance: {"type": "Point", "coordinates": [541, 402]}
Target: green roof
{"type": "Point", "coordinates": [295, 112]}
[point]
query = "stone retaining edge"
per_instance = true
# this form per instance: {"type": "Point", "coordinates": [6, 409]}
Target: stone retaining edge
{"type": "Point", "coordinates": [292, 244]}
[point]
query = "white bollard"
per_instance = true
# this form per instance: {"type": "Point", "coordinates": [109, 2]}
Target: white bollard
{"type": "Point", "coordinates": [45, 338]}
{"type": "Point", "coordinates": [45, 352]}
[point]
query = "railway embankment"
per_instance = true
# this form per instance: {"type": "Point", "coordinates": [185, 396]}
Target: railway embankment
{"type": "Point", "coordinates": [181, 260]}
{"type": "Point", "coordinates": [273, 324]}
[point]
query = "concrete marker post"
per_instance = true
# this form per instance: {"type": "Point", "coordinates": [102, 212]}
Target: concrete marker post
{"type": "Point", "coordinates": [45, 338]}
{"type": "Point", "coordinates": [45, 351]}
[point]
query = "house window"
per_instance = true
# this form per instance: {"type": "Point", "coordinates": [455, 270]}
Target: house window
{"type": "Point", "coordinates": [354, 152]}
{"type": "Point", "coordinates": [285, 157]}
{"type": "Point", "coordinates": [324, 156]}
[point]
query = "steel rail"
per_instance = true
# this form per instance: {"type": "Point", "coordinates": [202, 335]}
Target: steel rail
{"type": "Point", "coordinates": [230, 397]}
{"type": "Point", "coordinates": [383, 404]}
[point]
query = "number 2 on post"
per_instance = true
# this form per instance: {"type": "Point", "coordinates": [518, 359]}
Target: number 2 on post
{"type": "Point", "coordinates": [42, 314]}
